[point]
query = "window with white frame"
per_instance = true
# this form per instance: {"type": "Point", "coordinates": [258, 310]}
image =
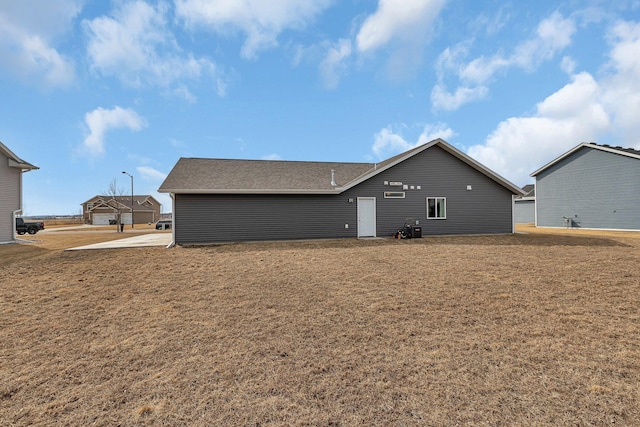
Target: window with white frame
{"type": "Point", "coordinates": [394, 194]}
{"type": "Point", "coordinates": [436, 208]}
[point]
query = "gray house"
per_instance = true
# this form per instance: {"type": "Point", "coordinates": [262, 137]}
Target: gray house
{"type": "Point", "coordinates": [525, 205]}
{"type": "Point", "coordinates": [590, 186]}
{"type": "Point", "coordinates": [11, 169]}
{"type": "Point", "coordinates": [442, 189]}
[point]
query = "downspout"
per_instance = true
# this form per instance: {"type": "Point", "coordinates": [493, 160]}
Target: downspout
{"type": "Point", "coordinates": [513, 214]}
{"type": "Point", "coordinates": [173, 221]}
{"type": "Point", "coordinates": [15, 213]}
{"type": "Point", "coordinates": [535, 202]}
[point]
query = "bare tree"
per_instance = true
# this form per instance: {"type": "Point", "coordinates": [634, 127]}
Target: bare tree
{"type": "Point", "coordinates": [113, 190]}
{"type": "Point", "coordinates": [112, 193]}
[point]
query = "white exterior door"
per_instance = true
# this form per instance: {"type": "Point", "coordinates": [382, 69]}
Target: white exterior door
{"type": "Point", "coordinates": [366, 217]}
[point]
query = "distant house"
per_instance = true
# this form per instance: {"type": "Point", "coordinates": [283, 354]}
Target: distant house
{"type": "Point", "coordinates": [525, 205]}
{"type": "Point", "coordinates": [590, 186]}
{"type": "Point", "coordinates": [442, 189]}
{"type": "Point", "coordinates": [11, 169]}
{"type": "Point", "coordinates": [104, 210]}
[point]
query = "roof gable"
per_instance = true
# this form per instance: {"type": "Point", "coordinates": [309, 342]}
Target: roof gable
{"type": "Point", "coordinates": [387, 164]}
{"type": "Point", "coordinates": [627, 152]}
{"type": "Point", "coordinates": [142, 202]}
{"type": "Point", "coordinates": [208, 176]}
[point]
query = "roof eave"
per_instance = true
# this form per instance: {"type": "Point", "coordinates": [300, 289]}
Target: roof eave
{"type": "Point", "coordinates": [337, 190]}
{"type": "Point", "coordinates": [379, 169]}
{"type": "Point", "coordinates": [451, 150]}
{"type": "Point", "coordinates": [14, 160]}
{"type": "Point", "coordinates": [21, 164]}
{"type": "Point", "coordinates": [582, 145]}
{"type": "Point", "coordinates": [481, 168]}
{"type": "Point", "coordinates": [563, 156]}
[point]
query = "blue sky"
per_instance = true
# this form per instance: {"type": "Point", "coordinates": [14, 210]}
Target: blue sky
{"type": "Point", "coordinates": [93, 88]}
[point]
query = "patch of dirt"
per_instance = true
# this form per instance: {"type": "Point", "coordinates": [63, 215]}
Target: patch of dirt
{"type": "Point", "coordinates": [486, 330]}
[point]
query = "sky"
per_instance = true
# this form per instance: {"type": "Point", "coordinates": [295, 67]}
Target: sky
{"type": "Point", "coordinates": [92, 88]}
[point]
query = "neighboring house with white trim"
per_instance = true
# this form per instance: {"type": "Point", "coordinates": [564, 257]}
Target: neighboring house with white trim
{"type": "Point", "coordinates": [590, 186]}
{"type": "Point", "coordinates": [11, 169]}
{"type": "Point", "coordinates": [105, 210]}
{"type": "Point", "coordinates": [435, 184]}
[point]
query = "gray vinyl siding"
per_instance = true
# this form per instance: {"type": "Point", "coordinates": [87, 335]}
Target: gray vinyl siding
{"type": "Point", "coordinates": [9, 198]}
{"type": "Point", "coordinates": [525, 211]}
{"type": "Point", "coordinates": [201, 218]}
{"type": "Point", "coordinates": [486, 209]}
{"type": "Point", "coordinates": [594, 188]}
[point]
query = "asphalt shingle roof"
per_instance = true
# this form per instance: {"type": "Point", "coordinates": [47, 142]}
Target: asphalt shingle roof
{"type": "Point", "coordinates": [125, 201]}
{"type": "Point", "coordinates": [197, 174]}
{"type": "Point", "coordinates": [208, 176]}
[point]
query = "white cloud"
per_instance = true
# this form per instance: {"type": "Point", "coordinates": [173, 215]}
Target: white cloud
{"type": "Point", "coordinates": [389, 142]}
{"type": "Point", "coordinates": [568, 65]}
{"type": "Point", "coordinates": [553, 34]}
{"type": "Point", "coordinates": [261, 21]}
{"type": "Point", "coordinates": [100, 121]}
{"type": "Point", "coordinates": [621, 88]}
{"type": "Point", "coordinates": [520, 145]}
{"type": "Point", "coordinates": [272, 156]}
{"type": "Point", "coordinates": [441, 99]}
{"type": "Point", "coordinates": [332, 67]}
{"type": "Point", "coordinates": [583, 110]}
{"type": "Point", "coordinates": [403, 29]}
{"type": "Point", "coordinates": [28, 33]}
{"type": "Point", "coordinates": [150, 174]}
{"type": "Point", "coordinates": [136, 46]}
{"type": "Point", "coordinates": [482, 69]}
{"type": "Point", "coordinates": [406, 21]}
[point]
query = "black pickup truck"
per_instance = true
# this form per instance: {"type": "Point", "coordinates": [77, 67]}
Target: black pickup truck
{"type": "Point", "coordinates": [28, 227]}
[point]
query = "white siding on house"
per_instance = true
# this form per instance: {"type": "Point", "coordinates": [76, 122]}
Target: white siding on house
{"type": "Point", "coordinates": [10, 181]}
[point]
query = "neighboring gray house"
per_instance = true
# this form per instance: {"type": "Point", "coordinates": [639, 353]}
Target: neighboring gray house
{"type": "Point", "coordinates": [525, 206]}
{"type": "Point", "coordinates": [590, 186]}
{"type": "Point", "coordinates": [443, 189]}
{"type": "Point", "coordinates": [11, 169]}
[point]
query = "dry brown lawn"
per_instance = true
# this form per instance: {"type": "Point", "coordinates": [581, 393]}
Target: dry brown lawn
{"type": "Point", "coordinates": [535, 329]}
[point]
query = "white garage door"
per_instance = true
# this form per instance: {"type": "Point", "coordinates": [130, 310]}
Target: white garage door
{"type": "Point", "coordinates": [126, 218]}
{"type": "Point", "coordinates": [103, 218]}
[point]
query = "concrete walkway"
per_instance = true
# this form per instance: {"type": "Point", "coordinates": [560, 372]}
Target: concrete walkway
{"type": "Point", "coordinates": [145, 240]}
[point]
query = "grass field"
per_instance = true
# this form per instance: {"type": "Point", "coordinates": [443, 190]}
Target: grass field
{"type": "Point", "coordinates": [529, 329]}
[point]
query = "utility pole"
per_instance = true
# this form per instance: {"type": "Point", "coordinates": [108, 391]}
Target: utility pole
{"type": "Point", "coordinates": [131, 176]}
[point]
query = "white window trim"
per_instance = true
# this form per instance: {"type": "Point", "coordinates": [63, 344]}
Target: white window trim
{"type": "Point", "coordinates": [398, 195]}
{"type": "Point", "coordinates": [445, 207]}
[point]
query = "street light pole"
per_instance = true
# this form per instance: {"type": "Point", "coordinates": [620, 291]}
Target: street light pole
{"type": "Point", "coordinates": [131, 176]}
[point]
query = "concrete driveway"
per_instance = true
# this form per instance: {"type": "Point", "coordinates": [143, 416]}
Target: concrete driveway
{"type": "Point", "coordinates": [145, 240]}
